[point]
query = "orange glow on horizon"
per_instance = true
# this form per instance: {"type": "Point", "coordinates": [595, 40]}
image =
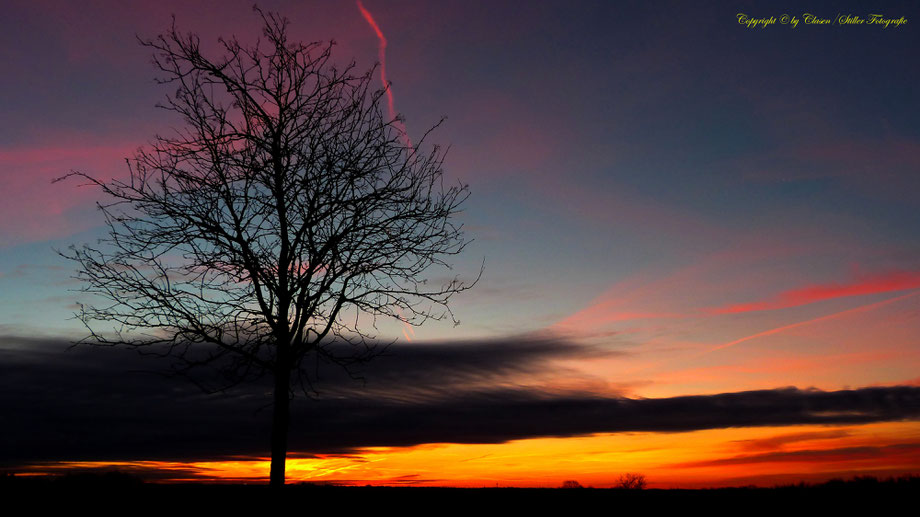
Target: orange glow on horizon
{"type": "Point", "coordinates": [763, 456]}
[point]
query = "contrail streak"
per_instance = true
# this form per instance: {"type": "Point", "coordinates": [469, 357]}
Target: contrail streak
{"type": "Point", "coordinates": [854, 310]}
{"type": "Point", "coordinates": [382, 56]}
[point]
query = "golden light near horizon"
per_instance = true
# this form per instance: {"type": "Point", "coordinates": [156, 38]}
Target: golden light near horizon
{"type": "Point", "coordinates": [761, 456]}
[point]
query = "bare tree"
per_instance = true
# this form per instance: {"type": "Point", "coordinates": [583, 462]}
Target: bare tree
{"type": "Point", "coordinates": [280, 222]}
{"type": "Point", "coordinates": [631, 481]}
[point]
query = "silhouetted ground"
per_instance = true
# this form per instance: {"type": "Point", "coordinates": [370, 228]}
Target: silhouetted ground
{"type": "Point", "coordinates": [116, 492]}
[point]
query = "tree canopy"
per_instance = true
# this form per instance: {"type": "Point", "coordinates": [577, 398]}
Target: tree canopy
{"type": "Point", "coordinates": [282, 219]}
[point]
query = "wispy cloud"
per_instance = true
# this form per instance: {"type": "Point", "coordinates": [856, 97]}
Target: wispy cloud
{"type": "Point", "coordinates": [776, 442]}
{"type": "Point", "coordinates": [908, 451]}
{"type": "Point", "coordinates": [870, 284]}
{"type": "Point", "coordinates": [848, 312]}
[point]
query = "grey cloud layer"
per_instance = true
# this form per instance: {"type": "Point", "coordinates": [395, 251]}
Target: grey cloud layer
{"type": "Point", "coordinates": [97, 403]}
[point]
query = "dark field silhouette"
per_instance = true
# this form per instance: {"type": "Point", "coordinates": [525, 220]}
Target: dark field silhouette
{"type": "Point", "coordinates": [119, 490]}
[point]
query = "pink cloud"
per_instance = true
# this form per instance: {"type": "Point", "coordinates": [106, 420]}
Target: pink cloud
{"type": "Point", "coordinates": [861, 308]}
{"type": "Point", "coordinates": [34, 209]}
{"type": "Point", "coordinates": [880, 168]}
{"type": "Point", "coordinates": [875, 284]}
{"type": "Point", "coordinates": [494, 134]}
{"type": "Point", "coordinates": [39, 210]}
{"type": "Point", "coordinates": [681, 291]}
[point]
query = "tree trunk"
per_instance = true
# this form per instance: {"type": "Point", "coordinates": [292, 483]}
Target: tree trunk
{"type": "Point", "coordinates": [281, 416]}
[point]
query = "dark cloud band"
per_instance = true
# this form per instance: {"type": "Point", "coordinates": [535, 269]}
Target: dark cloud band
{"type": "Point", "coordinates": [94, 404]}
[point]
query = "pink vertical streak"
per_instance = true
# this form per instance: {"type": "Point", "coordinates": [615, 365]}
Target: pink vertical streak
{"type": "Point", "coordinates": [381, 53]}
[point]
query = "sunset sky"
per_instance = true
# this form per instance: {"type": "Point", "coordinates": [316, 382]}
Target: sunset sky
{"type": "Point", "coordinates": [701, 247]}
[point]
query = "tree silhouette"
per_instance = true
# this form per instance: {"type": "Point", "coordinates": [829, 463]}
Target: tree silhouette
{"type": "Point", "coordinates": [282, 220]}
{"type": "Point", "coordinates": [631, 481]}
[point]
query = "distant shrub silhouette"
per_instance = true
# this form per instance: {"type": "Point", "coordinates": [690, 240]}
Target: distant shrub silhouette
{"type": "Point", "coordinates": [571, 483]}
{"type": "Point", "coordinates": [631, 481]}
